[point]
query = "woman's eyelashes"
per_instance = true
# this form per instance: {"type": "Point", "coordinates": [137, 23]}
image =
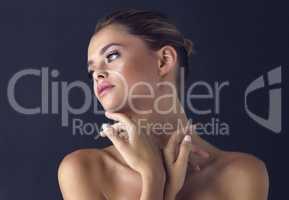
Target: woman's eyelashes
{"type": "Point", "coordinates": [111, 56]}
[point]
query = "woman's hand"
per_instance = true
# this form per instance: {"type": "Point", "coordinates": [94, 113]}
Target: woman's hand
{"type": "Point", "coordinates": [140, 153]}
{"type": "Point", "coordinates": [176, 155]}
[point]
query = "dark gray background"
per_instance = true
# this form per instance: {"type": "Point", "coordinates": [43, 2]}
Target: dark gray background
{"type": "Point", "coordinates": [237, 41]}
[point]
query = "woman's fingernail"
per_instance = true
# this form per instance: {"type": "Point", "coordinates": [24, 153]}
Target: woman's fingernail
{"type": "Point", "coordinates": [101, 133]}
{"type": "Point", "coordinates": [104, 126]}
{"type": "Point", "coordinates": [187, 138]}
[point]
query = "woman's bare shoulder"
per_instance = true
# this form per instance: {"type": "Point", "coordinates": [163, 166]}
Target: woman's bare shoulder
{"type": "Point", "coordinates": [237, 162]}
{"type": "Point", "coordinates": [242, 174]}
{"type": "Point", "coordinates": [232, 176]}
{"type": "Point", "coordinates": [89, 159]}
{"type": "Point", "coordinates": [81, 157]}
{"type": "Point", "coordinates": [85, 170]}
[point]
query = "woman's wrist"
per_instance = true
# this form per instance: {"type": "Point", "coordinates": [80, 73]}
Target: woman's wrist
{"type": "Point", "coordinates": [154, 175]}
{"type": "Point", "coordinates": [170, 192]}
{"type": "Point", "coordinates": [153, 185]}
{"type": "Point", "coordinates": [170, 195]}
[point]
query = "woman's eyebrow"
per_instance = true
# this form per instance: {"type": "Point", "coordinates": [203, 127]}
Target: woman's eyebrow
{"type": "Point", "coordinates": [103, 49]}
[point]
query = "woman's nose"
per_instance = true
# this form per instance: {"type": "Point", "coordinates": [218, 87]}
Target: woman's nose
{"type": "Point", "coordinates": [102, 74]}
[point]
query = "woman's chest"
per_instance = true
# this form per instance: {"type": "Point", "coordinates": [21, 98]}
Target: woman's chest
{"type": "Point", "coordinates": [199, 186]}
{"type": "Point", "coordinates": [125, 185]}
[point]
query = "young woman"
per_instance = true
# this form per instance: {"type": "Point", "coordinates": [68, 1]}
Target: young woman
{"type": "Point", "coordinates": [134, 59]}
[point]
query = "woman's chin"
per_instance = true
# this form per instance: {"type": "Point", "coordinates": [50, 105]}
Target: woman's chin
{"type": "Point", "coordinates": [113, 105]}
{"type": "Point", "coordinates": [113, 101]}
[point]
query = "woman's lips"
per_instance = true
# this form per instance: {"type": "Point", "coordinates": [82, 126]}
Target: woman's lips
{"type": "Point", "coordinates": [104, 89]}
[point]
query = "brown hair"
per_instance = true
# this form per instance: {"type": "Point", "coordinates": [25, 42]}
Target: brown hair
{"type": "Point", "coordinates": [155, 29]}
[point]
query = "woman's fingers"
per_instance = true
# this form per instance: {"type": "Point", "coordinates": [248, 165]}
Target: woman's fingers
{"type": "Point", "coordinates": [171, 147]}
{"type": "Point", "coordinates": [119, 127]}
{"type": "Point", "coordinates": [102, 128]}
{"type": "Point", "coordinates": [185, 149]}
{"type": "Point", "coordinates": [121, 130]}
{"type": "Point", "coordinates": [130, 127]}
{"type": "Point", "coordinates": [114, 137]}
{"type": "Point", "coordinates": [196, 149]}
{"type": "Point", "coordinates": [188, 150]}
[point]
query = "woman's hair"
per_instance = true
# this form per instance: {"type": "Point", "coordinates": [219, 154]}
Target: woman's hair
{"type": "Point", "coordinates": [155, 29]}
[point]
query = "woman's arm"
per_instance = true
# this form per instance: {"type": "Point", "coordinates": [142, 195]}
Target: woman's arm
{"type": "Point", "coordinates": [140, 153]}
{"type": "Point", "coordinates": [176, 164]}
{"type": "Point", "coordinates": [176, 156]}
{"type": "Point", "coordinates": [153, 186]}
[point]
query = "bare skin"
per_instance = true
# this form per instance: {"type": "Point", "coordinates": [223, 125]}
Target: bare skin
{"type": "Point", "coordinates": [111, 178]}
{"type": "Point", "coordinates": [140, 166]}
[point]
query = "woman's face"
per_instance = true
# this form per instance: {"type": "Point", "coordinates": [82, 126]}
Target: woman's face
{"type": "Point", "coordinates": [125, 61]}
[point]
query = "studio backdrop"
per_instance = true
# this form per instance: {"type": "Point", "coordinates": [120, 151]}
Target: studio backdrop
{"type": "Point", "coordinates": [238, 84]}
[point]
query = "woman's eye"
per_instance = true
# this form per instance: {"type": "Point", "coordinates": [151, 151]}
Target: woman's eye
{"type": "Point", "coordinates": [112, 56]}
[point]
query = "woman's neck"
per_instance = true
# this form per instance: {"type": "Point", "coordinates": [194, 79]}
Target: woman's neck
{"type": "Point", "coordinates": [160, 126]}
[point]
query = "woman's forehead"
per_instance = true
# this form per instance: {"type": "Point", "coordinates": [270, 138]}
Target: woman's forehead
{"type": "Point", "coordinates": [112, 34]}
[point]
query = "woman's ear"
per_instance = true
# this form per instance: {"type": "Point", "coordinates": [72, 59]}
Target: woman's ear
{"type": "Point", "coordinates": [167, 59]}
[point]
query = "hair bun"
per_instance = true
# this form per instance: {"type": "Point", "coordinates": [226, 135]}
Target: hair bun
{"type": "Point", "coordinates": [188, 45]}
